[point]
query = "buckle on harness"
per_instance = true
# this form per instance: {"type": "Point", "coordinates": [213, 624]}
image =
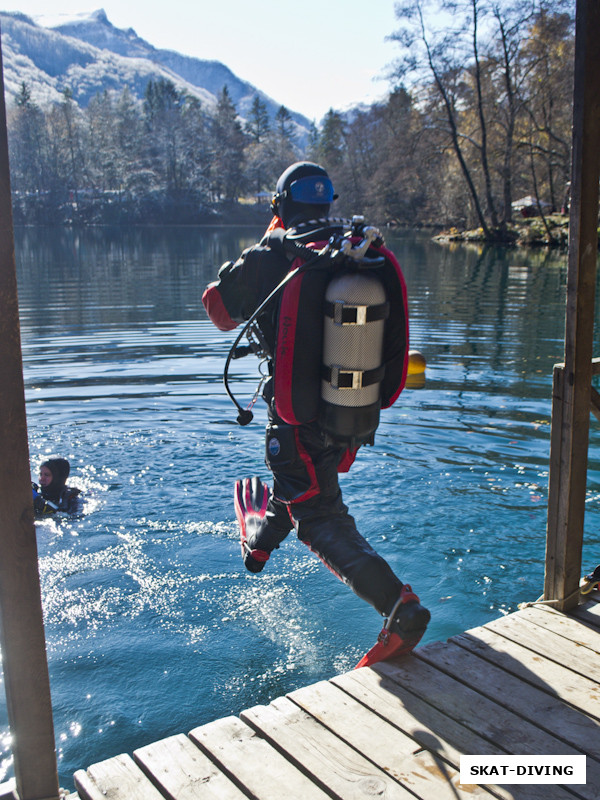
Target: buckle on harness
{"type": "Point", "coordinates": [384, 636]}
{"type": "Point", "coordinates": [346, 378]}
{"type": "Point", "coordinates": [360, 314]}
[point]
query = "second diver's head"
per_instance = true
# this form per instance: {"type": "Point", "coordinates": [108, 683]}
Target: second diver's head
{"type": "Point", "coordinates": [53, 477]}
{"type": "Point", "coordinates": [304, 191]}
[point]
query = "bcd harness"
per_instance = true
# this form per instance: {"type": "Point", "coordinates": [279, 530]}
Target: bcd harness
{"type": "Point", "coordinates": [341, 346]}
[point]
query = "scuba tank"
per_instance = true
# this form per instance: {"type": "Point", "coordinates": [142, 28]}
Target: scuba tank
{"type": "Point", "coordinates": [355, 311]}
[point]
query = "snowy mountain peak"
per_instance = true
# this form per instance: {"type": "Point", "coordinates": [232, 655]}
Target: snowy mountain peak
{"type": "Point", "coordinates": [57, 19]}
{"type": "Point", "coordinates": [96, 29]}
{"type": "Point", "coordinates": [87, 54]}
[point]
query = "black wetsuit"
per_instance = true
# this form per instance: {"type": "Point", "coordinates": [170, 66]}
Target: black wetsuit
{"type": "Point", "coordinates": [305, 465]}
{"type": "Point", "coordinates": [68, 500]}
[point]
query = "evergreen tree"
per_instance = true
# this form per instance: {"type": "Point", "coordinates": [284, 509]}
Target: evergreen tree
{"type": "Point", "coordinates": [280, 147]}
{"type": "Point", "coordinates": [102, 147]}
{"type": "Point", "coordinates": [163, 104]}
{"type": "Point", "coordinates": [284, 123]}
{"type": "Point", "coordinates": [29, 145]}
{"type": "Point", "coordinates": [332, 139]}
{"type": "Point", "coordinates": [196, 163]}
{"type": "Point", "coordinates": [312, 149]}
{"type": "Point", "coordinates": [227, 150]}
{"type": "Point", "coordinates": [68, 145]}
{"type": "Point", "coordinates": [258, 124]}
{"type": "Point", "coordinates": [131, 144]}
{"type": "Point", "coordinates": [258, 128]}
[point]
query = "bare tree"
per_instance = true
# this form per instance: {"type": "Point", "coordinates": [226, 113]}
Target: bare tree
{"type": "Point", "coordinates": [432, 41]}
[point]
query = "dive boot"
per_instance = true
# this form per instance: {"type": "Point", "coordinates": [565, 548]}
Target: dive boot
{"type": "Point", "coordinates": [402, 630]}
{"type": "Point", "coordinates": [250, 499]}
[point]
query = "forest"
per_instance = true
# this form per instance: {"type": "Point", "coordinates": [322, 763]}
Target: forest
{"type": "Point", "coordinates": [478, 115]}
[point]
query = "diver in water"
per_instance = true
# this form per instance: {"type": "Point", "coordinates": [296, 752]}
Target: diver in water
{"type": "Point", "coordinates": [52, 494]}
{"type": "Point", "coordinates": [308, 441]}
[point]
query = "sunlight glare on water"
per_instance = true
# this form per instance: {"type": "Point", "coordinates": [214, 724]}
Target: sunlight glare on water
{"type": "Point", "coordinates": [153, 626]}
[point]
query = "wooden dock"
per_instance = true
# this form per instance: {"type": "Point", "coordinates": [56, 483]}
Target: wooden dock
{"type": "Point", "coordinates": [524, 684]}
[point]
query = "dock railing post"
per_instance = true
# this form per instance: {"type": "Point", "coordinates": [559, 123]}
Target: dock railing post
{"type": "Point", "coordinates": [22, 637]}
{"type": "Point", "coordinates": [571, 394]}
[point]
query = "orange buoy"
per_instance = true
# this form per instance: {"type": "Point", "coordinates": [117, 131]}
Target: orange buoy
{"type": "Point", "coordinates": [415, 375]}
{"type": "Point", "coordinates": [416, 362]}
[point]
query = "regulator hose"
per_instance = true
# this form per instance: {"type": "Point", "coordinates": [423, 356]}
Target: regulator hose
{"type": "Point", "coordinates": [245, 416]}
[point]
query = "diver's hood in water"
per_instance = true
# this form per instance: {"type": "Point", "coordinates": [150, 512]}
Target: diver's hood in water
{"type": "Point", "coordinates": [60, 469]}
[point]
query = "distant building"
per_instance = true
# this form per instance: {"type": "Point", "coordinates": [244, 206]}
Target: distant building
{"type": "Point", "coordinates": [529, 207]}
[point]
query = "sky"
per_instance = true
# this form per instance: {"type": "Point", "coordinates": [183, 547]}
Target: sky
{"type": "Point", "coordinates": [309, 55]}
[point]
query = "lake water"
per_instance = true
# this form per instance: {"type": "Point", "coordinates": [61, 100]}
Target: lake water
{"type": "Point", "coordinates": [153, 626]}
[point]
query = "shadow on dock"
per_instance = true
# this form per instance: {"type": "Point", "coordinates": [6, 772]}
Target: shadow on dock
{"type": "Point", "coordinates": [525, 684]}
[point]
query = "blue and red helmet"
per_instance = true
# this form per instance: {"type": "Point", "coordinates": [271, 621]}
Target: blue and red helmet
{"type": "Point", "coordinates": [304, 191]}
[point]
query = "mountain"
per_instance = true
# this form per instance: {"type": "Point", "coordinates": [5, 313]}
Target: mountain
{"type": "Point", "coordinates": [88, 54]}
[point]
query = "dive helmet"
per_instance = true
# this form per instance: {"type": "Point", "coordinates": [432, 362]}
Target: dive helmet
{"type": "Point", "coordinates": [303, 191]}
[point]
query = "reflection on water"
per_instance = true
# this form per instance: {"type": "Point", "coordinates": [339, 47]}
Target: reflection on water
{"type": "Point", "coordinates": [153, 626]}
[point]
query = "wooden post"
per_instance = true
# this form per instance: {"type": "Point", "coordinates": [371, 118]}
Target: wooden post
{"type": "Point", "coordinates": [572, 381]}
{"type": "Point", "coordinates": [21, 624]}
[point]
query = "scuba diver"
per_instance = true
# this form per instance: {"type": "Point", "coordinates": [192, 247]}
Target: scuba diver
{"type": "Point", "coordinates": [52, 494]}
{"type": "Point", "coordinates": [315, 294]}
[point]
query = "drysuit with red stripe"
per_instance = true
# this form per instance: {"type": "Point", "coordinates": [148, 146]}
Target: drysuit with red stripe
{"type": "Point", "coordinates": [305, 464]}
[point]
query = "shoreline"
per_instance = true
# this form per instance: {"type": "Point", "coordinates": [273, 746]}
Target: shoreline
{"type": "Point", "coordinates": [530, 232]}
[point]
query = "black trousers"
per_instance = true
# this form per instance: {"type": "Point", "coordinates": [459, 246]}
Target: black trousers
{"type": "Point", "coordinates": [307, 496]}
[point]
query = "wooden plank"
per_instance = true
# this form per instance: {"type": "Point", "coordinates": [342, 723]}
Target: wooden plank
{"type": "Point", "coordinates": [257, 766]}
{"type": "Point", "coordinates": [549, 641]}
{"type": "Point", "coordinates": [589, 613]}
{"type": "Point", "coordinates": [431, 728]}
{"type": "Point", "coordinates": [510, 732]}
{"type": "Point", "coordinates": [423, 772]}
{"type": "Point", "coordinates": [490, 720]}
{"type": "Point", "coordinates": [352, 722]}
{"type": "Point", "coordinates": [425, 723]}
{"type": "Point", "coordinates": [556, 524]}
{"type": "Point", "coordinates": [548, 675]}
{"type": "Point", "coordinates": [183, 772]}
{"type": "Point", "coordinates": [560, 722]}
{"type": "Point", "coordinates": [563, 624]}
{"type": "Point", "coordinates": [117, 778]}
{"type": "Point", "coordinates": [544, 709]}
{"type": "Point", "coordinates": [329, 761]}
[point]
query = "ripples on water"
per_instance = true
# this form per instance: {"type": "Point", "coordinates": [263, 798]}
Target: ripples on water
{"type": "Point", "coordinates": [153, 626]}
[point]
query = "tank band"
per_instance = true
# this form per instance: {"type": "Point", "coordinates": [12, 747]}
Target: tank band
{"type": "Point", "coordinates": [344, 314]}
{"type": "Point", "coordinates": [352, 378]}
